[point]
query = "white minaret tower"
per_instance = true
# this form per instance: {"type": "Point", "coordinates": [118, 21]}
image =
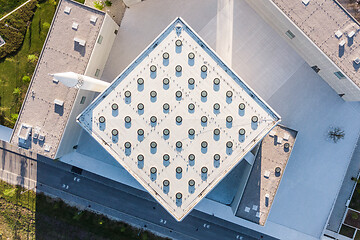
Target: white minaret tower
{"type": "Point", "coordinates": [75, 80]}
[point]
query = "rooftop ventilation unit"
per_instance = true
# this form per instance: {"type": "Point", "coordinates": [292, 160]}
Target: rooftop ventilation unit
{"type": "Point", "coordinates": [338, 34]}
{"type": "Point", "coordinates": [357, 60]}
{"type": "Point", "coordinates": [342, 43]}
{"type": "Point", "coordinates": [351, 34]}
{"type": "Point", "coordinates": [75, 25]}
{"type": "Point", "coordinates": [47, 148]}
{"type": "Point", "coordinates": [93, 19]}
{"type": "Point", "coordinates": [80, 41]}
{"type": "Point", "coordinates": [59, 102]}
{"type": "Point", "coordinates": [67, 10]}
{"type": "Point", "coordinates": [24, 133]}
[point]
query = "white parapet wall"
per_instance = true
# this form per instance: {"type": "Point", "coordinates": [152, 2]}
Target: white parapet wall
{"type": "Point", "coordinates": [306, 48]}
{"type": "Point", "coordinates": [94, 69]}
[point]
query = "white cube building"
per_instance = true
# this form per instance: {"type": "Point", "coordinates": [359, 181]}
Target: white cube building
{"type": "Point", "coordinates": [178, 119]}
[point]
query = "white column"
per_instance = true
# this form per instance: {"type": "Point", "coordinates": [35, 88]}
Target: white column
{"type": "Point", "coordinates": [224, 30]}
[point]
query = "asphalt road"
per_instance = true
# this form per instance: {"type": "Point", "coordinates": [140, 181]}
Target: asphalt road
{"type": "Point", "coordinates": [117, 200]}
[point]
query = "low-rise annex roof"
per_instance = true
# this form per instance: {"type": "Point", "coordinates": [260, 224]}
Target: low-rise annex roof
{"type": "Point", "coordinates": [41, 110]}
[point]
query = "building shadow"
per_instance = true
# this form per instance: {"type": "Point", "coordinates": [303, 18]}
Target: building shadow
{"type": "Point", "coordinates": [341, 51]}
{"type": "Point", "coordinates": [356, 66]}
{"type": "Point", "coordinates": [80, 49]}
{"type": "Point", "coordinates": [59, 109]}
{"type": "Point", "coordinates": [249, 205]}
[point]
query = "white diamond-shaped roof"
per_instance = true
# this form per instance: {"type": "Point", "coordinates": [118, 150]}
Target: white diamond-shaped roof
{"type": "Point", "coordinates": [180, 168]}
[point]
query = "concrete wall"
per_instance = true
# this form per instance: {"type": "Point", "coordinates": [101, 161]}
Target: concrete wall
{"type": "Point", "coordinates": [306, 48]}
{"type": "Point", "coordinates": [101, 51]}
{"type": "Point", "coordinates": [97, 60]}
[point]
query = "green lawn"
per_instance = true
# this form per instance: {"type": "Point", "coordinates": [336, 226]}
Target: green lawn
{"type": "Point", "coordinates": [7, 6]}
{"type": "Point", "coordinates": [22, 63]}
{"type": "Point", "coordinates": [25, 215]}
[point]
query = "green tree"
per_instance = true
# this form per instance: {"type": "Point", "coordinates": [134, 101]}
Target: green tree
{"type": "Point", "coordinates": [46, 25]}
{"type": "Point", "coordinates": [99, 5]}
{"type": "Point", "coordinates": [32, 58]}
{"type": "Point", "coordinates": [26, 79]}
{"type": "Point", "coordinates": [17, 91]}
{"type": "Point", "coordinates": [14, 117]}
{"type": "Point", "coordinates": [53, 2]}
{"type": "Point", "coordinates": [108, 3]}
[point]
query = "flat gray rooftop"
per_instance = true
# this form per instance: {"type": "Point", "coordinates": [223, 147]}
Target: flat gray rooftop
{"type": "Point", "coordinates": [60, 54]}
{"type": "Point", "coordinates": [320, 20]}
{"type": "Point", "coordinates": [264, 181]}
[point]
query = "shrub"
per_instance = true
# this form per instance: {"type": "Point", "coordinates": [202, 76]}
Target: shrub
{"type": "Point", "coordinates": [99, 5]}
{"type": "Point", "coordinates": [17, 91]}
{"type": "Point", "coordinates": [46, 25]}
{"type": "Point", "coordinates": [14, 117]}
{"type": "Point", "coordinates": [26, 79]}
{"type": "Point", "coordinates": [32, 58]}
{"type": "Point", "coordinates": [108, 3]}
{"type": "Point", "coordinates": [13, 28]}
{"type": "Point", "coordinates": [354, 215]}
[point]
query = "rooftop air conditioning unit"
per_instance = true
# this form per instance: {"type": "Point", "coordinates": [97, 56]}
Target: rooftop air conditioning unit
{"type": "Point", "coordinates": [357, 60]}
